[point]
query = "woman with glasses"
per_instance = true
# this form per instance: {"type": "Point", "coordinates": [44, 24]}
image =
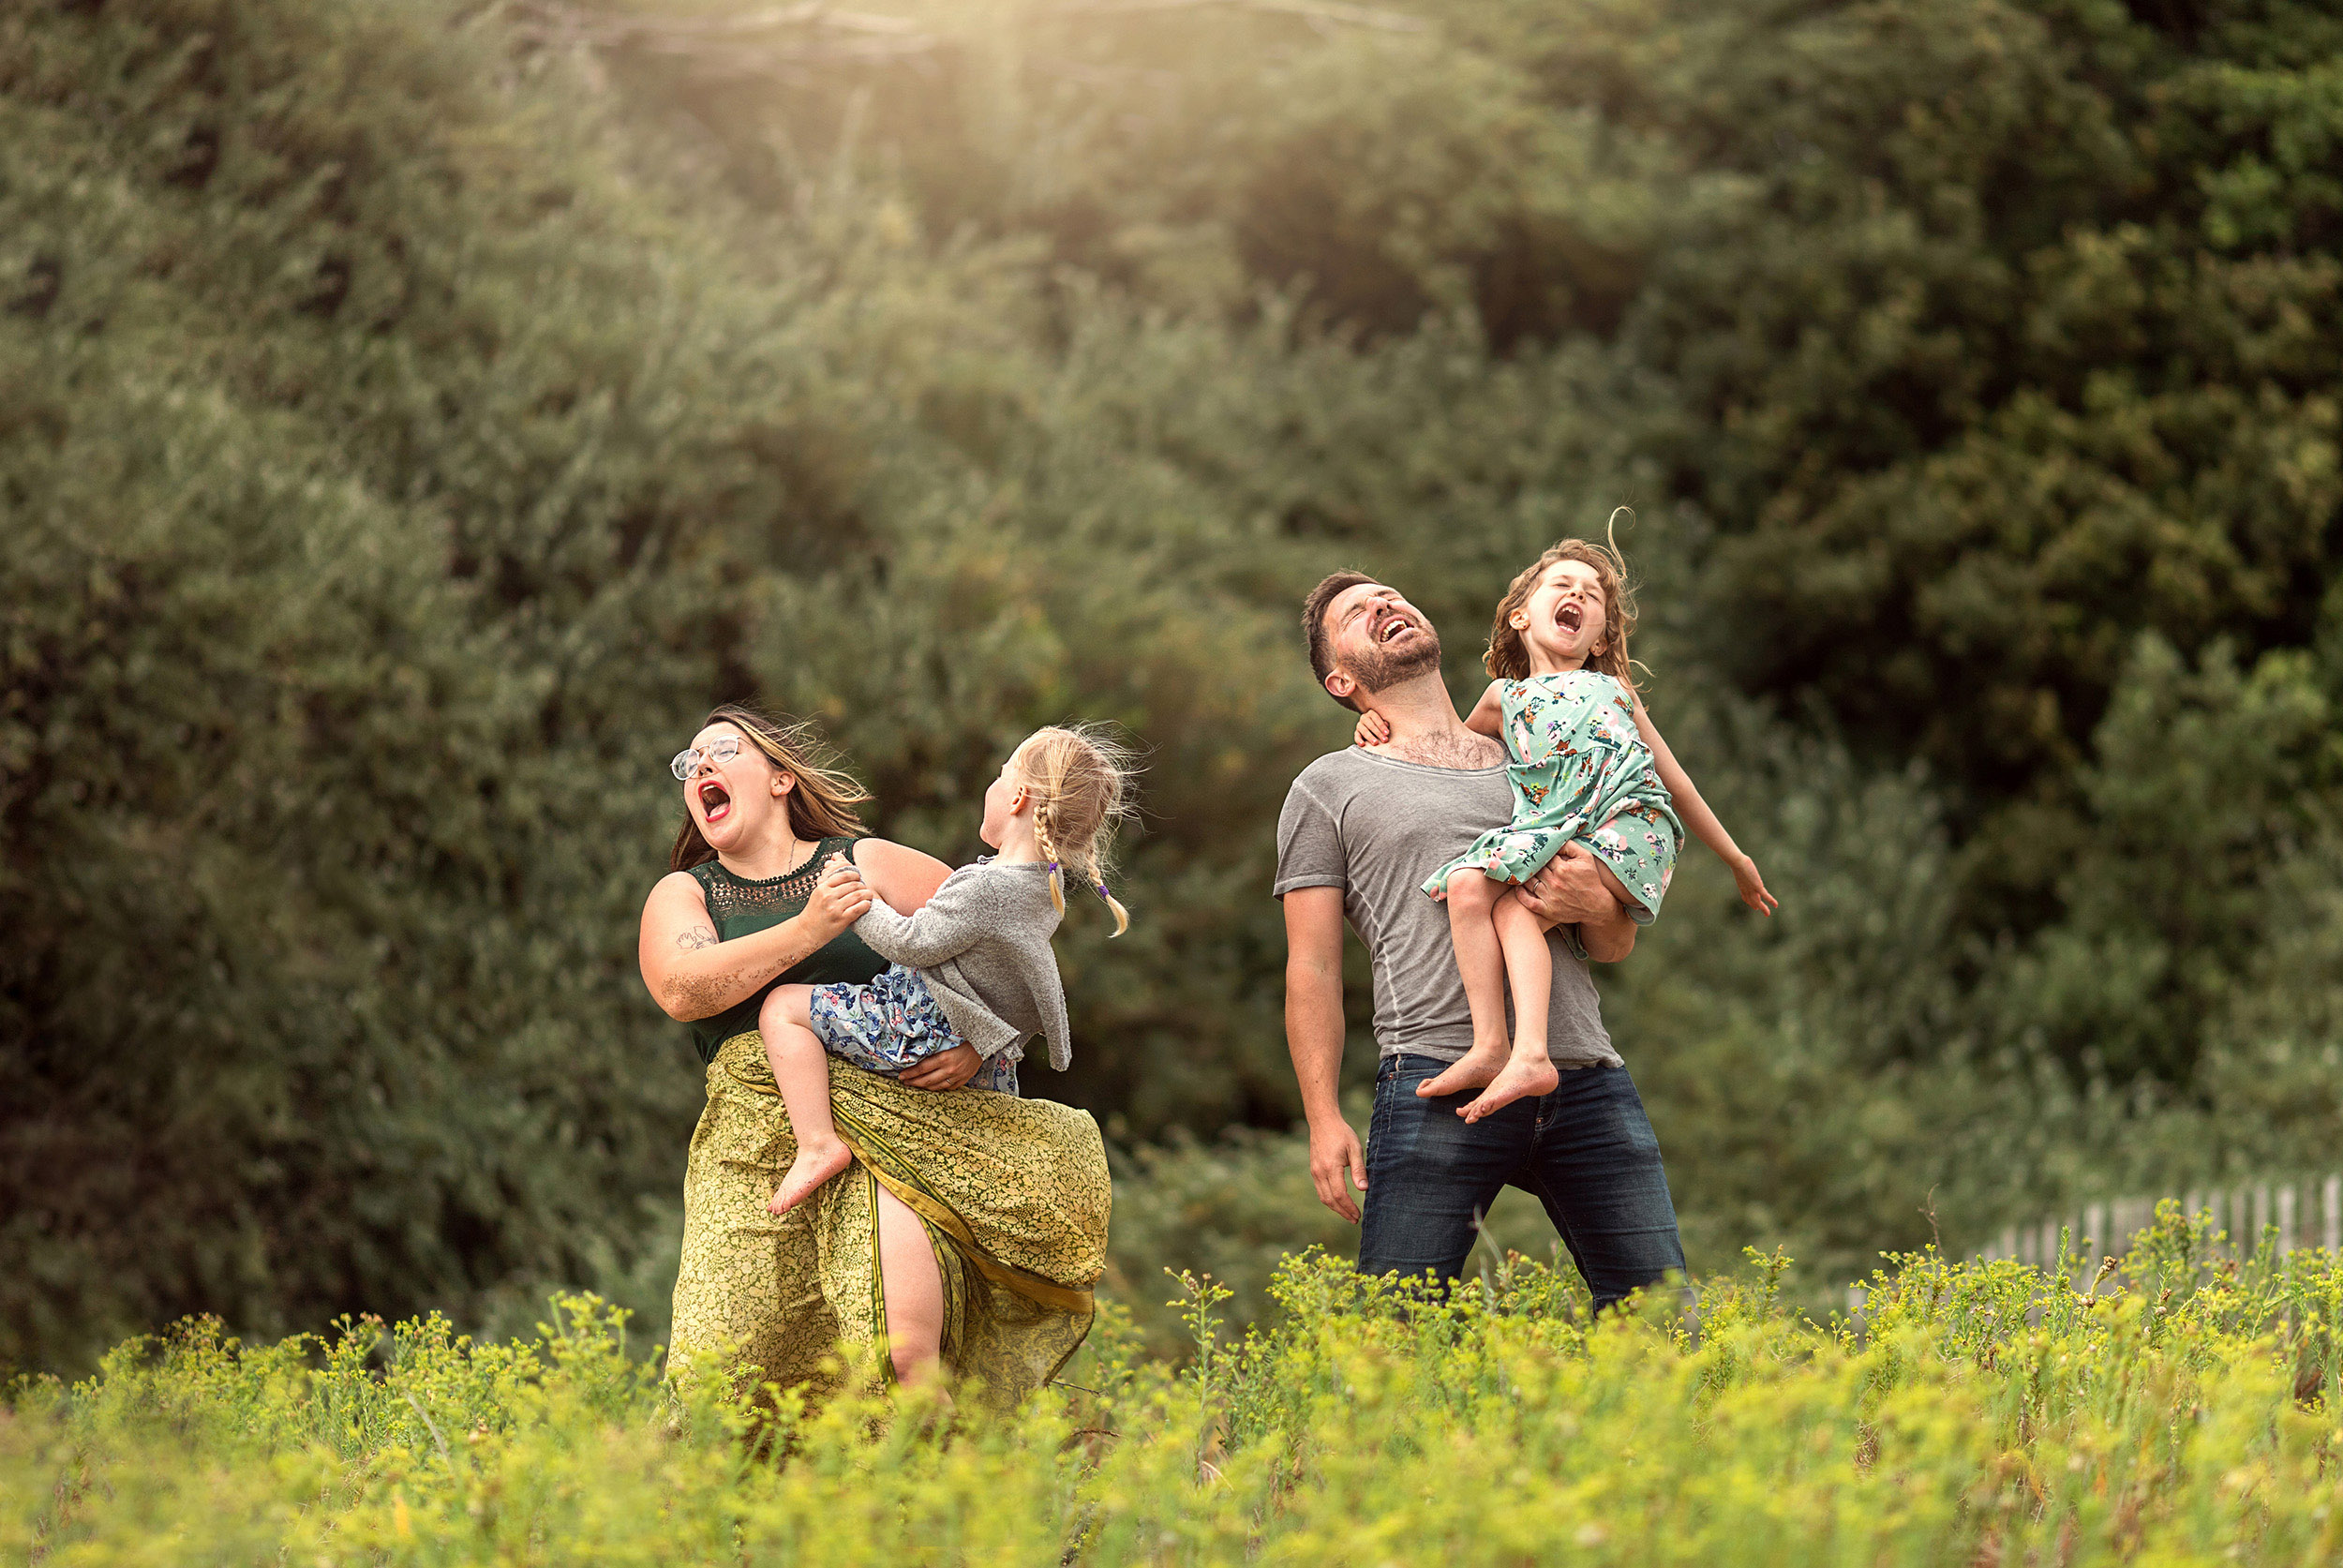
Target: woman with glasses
{"type": "Point", "coordinates": [934, 1229]}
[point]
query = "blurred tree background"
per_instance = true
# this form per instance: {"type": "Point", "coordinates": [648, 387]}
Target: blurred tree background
{"type": "Point", "coordinates": [414, 415]}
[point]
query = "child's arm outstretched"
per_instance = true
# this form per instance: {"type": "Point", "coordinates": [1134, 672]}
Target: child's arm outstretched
{"type": "Point", "coordinates": [1701, 820]}
{"type": "Point", "coordinates": [1486, 717]}
{"type": "Point", "coordinates": [949, 924]}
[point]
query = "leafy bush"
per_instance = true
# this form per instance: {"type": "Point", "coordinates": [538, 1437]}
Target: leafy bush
{"type": "Point", "coordinates": [413, 415]}
{"type": "Point", "coordinates": [1973, 1413]}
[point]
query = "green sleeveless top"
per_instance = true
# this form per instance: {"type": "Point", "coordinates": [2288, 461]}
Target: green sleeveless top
{"type": "Point", "coordinates": [739, 906]}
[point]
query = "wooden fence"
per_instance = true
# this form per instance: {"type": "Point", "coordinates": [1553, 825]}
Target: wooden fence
{"type": "Point", "coordinates": [2305, 1214]}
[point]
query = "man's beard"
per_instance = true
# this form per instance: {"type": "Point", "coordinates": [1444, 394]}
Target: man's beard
{"type": "Point", "coordinates": [1379, 670]}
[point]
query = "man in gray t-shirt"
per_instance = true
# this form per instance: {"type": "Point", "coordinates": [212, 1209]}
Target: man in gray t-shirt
{"type": "Point", "coordinates": [1369, 823]}
{"type": "Point", "coordinates": [1360, 831]}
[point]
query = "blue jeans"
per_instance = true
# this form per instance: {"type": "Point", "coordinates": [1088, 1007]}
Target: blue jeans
{"type": "Point", "coordinates": [1586, 1150]}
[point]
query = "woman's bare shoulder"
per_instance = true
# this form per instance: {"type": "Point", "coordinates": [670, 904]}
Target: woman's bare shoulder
{"type": "Point", "coordinates": [676, 890]}
{"type": "Point", "coordinates": [872, 853]}
{"type": "Point", "coordinates": [675, 919]}
{"type": "Point", "coordinates": [904, 877]}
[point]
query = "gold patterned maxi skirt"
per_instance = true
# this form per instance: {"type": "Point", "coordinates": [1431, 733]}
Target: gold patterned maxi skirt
{"type": "Point", "coordinates": [1014, 1193]}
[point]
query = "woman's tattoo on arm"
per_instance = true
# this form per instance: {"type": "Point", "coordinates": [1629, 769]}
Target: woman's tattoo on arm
{"type": "Point", "coordinates": [706, 996]}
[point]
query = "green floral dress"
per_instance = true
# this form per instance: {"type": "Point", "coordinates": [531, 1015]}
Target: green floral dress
{"type": "Point", "coordinates": [1579, 769]}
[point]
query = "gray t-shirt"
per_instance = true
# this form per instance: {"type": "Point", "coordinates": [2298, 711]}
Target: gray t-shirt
{"type": "Point", "coordinates": [1376, 827]}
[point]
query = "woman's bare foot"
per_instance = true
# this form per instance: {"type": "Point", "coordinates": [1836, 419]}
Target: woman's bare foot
{"type": "Point", "coordinates": [1481, 1065]}
{"type": "Point", "coordinates": [809, 1170]}
{"type": "Point", "coordinates": [1519, 1079]}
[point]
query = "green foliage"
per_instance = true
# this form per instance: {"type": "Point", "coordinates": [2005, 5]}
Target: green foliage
{"type": "Point", "coordinates": [305, 587]}
{"type": "Point", "coordinates": [1981, 335]}
{"type": "Point", "coordinates": [347, 624]}
{"type": "Point", "coordinates": [1990, 1414]}
{"type": "Point", "coordinates": [413, 417]}
{"type": "Point", "coordinates": [1230, 1211]}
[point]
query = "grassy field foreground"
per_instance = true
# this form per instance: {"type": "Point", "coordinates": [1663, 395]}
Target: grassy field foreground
{"type": "Point", "coordinates": [1975, 1414]}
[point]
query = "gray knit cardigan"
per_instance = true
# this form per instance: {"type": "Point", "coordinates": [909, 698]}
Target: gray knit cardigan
{"type": "Point", "coordinates": [981, 945]}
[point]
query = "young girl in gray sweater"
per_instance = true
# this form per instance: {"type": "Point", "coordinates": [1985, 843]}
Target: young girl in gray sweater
{"type": "Point", "coordinates": [972, 967]}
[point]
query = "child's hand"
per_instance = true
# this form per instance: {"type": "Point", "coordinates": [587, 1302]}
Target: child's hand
{"type": "Point", "coordinates": [839, 898]}
{"type": "Point", "coordinates": [1752, 887]}
{"type": "Point", "coordinates": [1371, 730]}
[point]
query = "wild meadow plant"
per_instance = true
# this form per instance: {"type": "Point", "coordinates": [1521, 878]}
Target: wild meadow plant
{"type": "Point", "coordinates": [2182, 1408]}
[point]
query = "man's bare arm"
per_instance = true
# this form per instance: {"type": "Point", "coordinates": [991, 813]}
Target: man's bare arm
{"type": "Point", "coordinates": [1314, 1035]}
{"type": "Point", "coordinates": [1610, 940]}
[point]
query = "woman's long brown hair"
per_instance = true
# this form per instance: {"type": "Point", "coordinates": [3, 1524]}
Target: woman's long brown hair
{"type": "Point", "coordinates": [821, 804]}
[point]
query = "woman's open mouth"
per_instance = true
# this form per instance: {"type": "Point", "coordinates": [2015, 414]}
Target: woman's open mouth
{"type": "Point", "coordinates": [715, 801]}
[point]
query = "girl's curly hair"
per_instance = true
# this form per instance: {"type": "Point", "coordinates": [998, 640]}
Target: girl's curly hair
{"type": "Point", "coordinates": [1508, 655]}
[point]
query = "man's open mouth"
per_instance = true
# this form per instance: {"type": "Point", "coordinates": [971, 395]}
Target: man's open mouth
{"type": "Point", "coordinates": [715, 801]}
{"type": "Point", "coordinates": [1393, 627]}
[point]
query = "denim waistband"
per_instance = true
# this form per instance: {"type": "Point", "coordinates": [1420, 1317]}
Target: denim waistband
{"type": "Point", "coordinates": [1385, 1067]}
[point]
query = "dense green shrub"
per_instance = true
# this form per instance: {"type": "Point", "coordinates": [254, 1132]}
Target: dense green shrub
{"type": "Point", "coordinates": [354, 605]}
{"type": "Point", "coordinates": [413, 415]}
{"type": "Point", "coordinates": [1967, 358]}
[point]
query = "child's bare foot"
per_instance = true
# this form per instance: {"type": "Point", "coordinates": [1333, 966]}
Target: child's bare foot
{"type": "Point", "coordinates": [1522, 1078]}
{"type": "Point", "coordinates": [809, 1170]}
{"type": "Point", "coordinates": [1476, 1067]}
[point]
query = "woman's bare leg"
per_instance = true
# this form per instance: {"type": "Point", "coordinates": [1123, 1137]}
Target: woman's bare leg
{"type": "Point", "coordinates": [801, 1070]}
{"type": "Point", "coordinates": [1472, 902]}
{"type": "Point", "coordinates": [1530, 971]}
{"type": "Point", "coordinates": [913, 1289]}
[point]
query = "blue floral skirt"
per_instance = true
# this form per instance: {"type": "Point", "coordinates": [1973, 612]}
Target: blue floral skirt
{"type": "Point", "coordinates": [892, 1023]}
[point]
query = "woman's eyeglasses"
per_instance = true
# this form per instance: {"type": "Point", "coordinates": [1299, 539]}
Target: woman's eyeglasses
{"type": "Point", "coordinates": [684, 764]}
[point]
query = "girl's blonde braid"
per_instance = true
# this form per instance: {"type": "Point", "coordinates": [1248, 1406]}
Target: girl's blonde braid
{"type": "Point", "coordinates": [1049, 852]}
{"type": "Point", "coordinates": [1098, 884]}
{"type": "Point", "coordinates": [1059, 749]}
{"type": "Point", "coordinates": [1053, 791]}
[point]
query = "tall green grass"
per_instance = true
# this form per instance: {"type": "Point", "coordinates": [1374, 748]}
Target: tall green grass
{"type": "Point", "coordinates": [1990, 1414]}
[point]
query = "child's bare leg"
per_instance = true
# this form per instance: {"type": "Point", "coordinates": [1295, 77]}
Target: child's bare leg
{"type": "Point", "coordinates": [912, 1289]}
{"type": "Point", "coordinates": [1611, 878]}
{"type": "Point", "coordinates": [1617, 888]}
{"type": "Point", "coordinates": [801, 1070]}
{"type": "Point", "coordinates": [1530, 972]}
{"type": "Point", "coordinates": [1471, 901]}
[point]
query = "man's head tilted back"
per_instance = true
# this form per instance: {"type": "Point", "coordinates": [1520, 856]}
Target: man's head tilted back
{"type": "Point", "coordinates": [1363, 636]}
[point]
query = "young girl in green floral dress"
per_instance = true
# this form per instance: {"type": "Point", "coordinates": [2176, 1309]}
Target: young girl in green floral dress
{"type": "Point", "coordinates": [1587, 767]}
